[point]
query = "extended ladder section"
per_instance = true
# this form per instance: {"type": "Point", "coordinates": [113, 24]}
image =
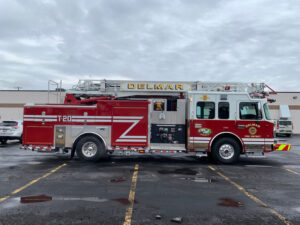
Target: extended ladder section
{"type": "Point", "coordinates": [124, 88]}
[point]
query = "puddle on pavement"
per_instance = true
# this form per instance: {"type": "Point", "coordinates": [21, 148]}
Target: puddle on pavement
{"type": "Point", "coordinates": [123, 201]}
{"type": "Point", "coordinates": [12, 167]}
{"type": "Point", "coordinates": [297, 209]}
{"type": "Point", "coordinates": [33, 163]}
{"type": "Point", "coordinates": [228, 202]}
{"type": "Point", "coordinates": [10, 203]}
{"type": "Point", "coordinates": [184, 171]}
{"type": "Point", "coordinates": [14, 202]}
{"type": "Point", "coordinates": [291, 166]}
{"type": "Point", "coordinates": [9, 165]}
{"type": "Point", "coordinates": [253, 190]}
{"type": "Point", "coordinates": [35, 199]}
{"type": "Point", "coordinates": [118, 179]}
{"type": "Point", "coordinates": [45, 198]}
{"type": "Point", "coordinates": [197, 179]}
{"type": "Point", "coordinates": [87, 199]}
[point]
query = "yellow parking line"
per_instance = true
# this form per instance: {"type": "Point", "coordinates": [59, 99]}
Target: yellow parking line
{"type": "Point", "coordinates": [129, 210]}
{"type": "Point", "coordinates": [258, 201]}
{"type": "Point", "coordinates": [293, 171]}
{"type": "Point", "coordinates": [32, 182]}
{"type": "Point", "coordinates": [4, 198]}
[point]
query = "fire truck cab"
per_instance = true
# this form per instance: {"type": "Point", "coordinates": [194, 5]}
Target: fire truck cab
{"type": "Point", "coordinates": [100, 118]}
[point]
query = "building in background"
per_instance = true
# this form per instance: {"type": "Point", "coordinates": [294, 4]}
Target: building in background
{"type": "Point", "coordinates": [12, 102]}
{"type": "Point", "coordinates": [292, 100]}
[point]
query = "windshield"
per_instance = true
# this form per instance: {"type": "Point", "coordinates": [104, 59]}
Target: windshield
{"type": "Point", "coordinates": [267, 112]}
{"type": "Point", "coordinates": [9, 123]}
{"type": "Point", "coordinates": [285, 123]}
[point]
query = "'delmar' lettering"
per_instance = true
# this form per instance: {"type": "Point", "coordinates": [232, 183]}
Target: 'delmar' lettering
{"type": "Point", "coordinates": [158, 86]}
{"type": "Point", "coordinates": [169, 86]}
{"type": "Point", "coordinates": [131, 85]}
{"type": "Point", "coordinates": [179, 86]}
{"type": "Point", "coordinates": [149, 87]}
{"type": "Point", "coordinates": [141, 86]}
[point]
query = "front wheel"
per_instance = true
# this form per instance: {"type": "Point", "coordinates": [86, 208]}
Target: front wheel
{"type": "Point", "coordinates": [226, 150]}
{"type": "Point", "coordinates": [90, 148]}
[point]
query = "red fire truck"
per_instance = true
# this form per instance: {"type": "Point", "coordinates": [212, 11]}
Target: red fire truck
{"type": "Point", "coordinates": [104, 117]}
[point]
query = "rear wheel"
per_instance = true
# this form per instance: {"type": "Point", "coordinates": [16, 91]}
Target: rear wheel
{"type": "Point", "coordinates": [90, 148]}
{"type": "Point", "coordinates": [226, 150]}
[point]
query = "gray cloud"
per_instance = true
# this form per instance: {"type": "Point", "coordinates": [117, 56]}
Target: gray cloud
{"type": "Point", "coordinates": [229, 40]}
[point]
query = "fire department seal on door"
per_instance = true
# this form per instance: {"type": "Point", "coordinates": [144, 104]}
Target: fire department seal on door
{"type": "Point", "coordinates": [252, 130]}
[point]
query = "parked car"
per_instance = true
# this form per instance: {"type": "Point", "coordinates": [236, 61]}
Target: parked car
{"type": "Point", "coordinates": [11, 130]}
{"type": "Point", "coordinates": [284, 127]}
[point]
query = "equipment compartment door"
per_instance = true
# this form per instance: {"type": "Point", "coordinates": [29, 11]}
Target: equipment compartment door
{"type": "Point", "coordinates": [38, 135]}
{"type": "Point", "coordinates": [130, 125]}
{"type": "Point", "coordinates": [168, 124]}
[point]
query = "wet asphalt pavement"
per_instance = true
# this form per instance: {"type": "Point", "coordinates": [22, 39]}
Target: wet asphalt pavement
{"type": "Point", "coordinates": [254, 191]}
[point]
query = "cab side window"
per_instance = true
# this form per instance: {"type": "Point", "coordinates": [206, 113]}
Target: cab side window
{"type": "Point", "coordinates": [250, 111]}
{"type": "Point", "coordinates": [223, 110]}
{"type": "Point", "coordinates": [205, 110]}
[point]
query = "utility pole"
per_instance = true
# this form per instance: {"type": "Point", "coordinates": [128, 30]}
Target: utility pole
{"type": "Point", "coordinates": [18, 88]}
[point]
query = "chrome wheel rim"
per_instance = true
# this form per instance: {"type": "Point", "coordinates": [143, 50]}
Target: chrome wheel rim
{"type": "Point", "coordinates": [226, 151]}
{"type": "Point", "coordinates": [89, 149]}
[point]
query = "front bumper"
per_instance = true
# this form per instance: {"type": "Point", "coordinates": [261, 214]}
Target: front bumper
{"type": "Point", "coordinates": [10, 136]}
{"type": "Point", "coordinates": [284, 132]}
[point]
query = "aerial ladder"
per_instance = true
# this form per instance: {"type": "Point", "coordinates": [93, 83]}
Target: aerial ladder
{"type": "Point", "coordinates": [121, 89]}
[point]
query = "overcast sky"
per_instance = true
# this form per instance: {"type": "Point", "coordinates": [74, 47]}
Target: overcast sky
{"type": "Point", "coordinates": [206, 40]}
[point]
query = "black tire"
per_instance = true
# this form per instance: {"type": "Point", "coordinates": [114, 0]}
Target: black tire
{"type": "Point", "coordinates": [288, 135]}
{"type": "Point", "coordinates": [210, 157]}
{"type": "Point", "coordinates": [3, 141]}
{"type": "Point", "coordinates": [90, 148]}
{"type": "Point", "coordinates": [226, 151]}
{"type": "Point", "coordinates": [21, 138]}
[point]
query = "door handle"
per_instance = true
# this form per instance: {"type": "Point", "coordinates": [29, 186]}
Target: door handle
{"type": "Point", "coordinates": [241, 126]}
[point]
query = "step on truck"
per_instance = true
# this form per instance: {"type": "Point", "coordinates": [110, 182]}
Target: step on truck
{"type": "Point", "coordinates": [107, 117]}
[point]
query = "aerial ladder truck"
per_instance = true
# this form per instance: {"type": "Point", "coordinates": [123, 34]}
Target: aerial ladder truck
{"type": "Point", "coordinates": [107, 117]}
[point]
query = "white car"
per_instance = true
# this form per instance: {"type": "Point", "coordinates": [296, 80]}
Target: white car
{"type": "Point", "coordinates": [284, 127]}
{"type": "Point", "coordinates": [11, 130]}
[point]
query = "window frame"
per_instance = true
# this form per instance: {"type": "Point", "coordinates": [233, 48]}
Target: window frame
{"type": "Point", "coordinates": [214, 107]}
{"type": "Point", "coordinates": [267, 111]}
{"type": "Point", "coordinates": [259, 117]}
{"type": "Point", "coordinates": [228, 110]}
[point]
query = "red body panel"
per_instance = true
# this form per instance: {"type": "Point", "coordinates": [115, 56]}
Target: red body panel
{"type": "Point", "coordinates": [203, 132]}
{"type": "Point", "coordinates": [130, 126]}
{"type": "Point", "coordinates": [39, 121]}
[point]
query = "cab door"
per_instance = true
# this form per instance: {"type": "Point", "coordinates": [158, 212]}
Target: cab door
{"type": "Point", "coordinates": [250, 125]}
{"type": "Point", "coordinates": [202, 123]}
